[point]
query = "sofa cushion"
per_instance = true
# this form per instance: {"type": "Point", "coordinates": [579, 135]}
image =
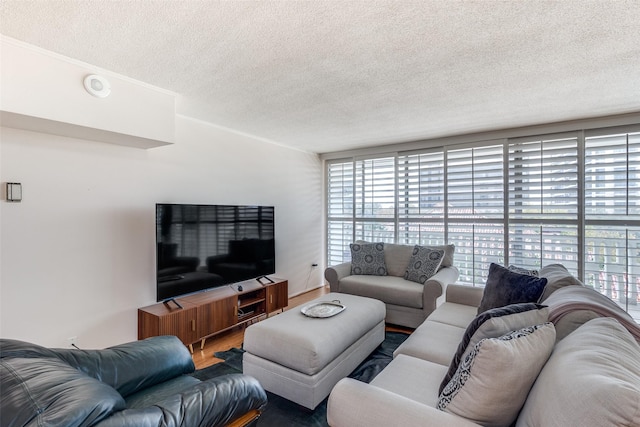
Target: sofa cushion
{"type": "Point", "coordinates": [388, 289]}
{"type": "Point", "coordinates": [368, 259]}
{"type": "Point", "coordinates": [557, 277]}
{"type": "Point", "coordinates": [423, 264]}
{"type": "Point", "coordinates": [454, 314]}
{"type": "Point", "coordinates": [48, 392]}
{"type": "Point", "coordinates": [492, 383]}
{"type": "Point", "coordinates": [495, 323]}
{"type": "Point", "coordinates": [413, 378]}
{"type": "Point", "coordinates": [506, 287]}
{"type": "Point", "coordinates": [432, 341]}
{"type": "Point", "coordinates": [591, 379]}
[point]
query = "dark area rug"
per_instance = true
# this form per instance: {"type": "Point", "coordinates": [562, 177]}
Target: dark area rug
{"type": "Point", "coordinates": [281, 412]}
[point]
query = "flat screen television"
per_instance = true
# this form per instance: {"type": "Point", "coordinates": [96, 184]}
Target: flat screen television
{"type": "Point", "coordinates": [199, 247]}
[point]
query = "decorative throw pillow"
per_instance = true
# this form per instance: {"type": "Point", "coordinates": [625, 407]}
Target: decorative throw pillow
{"type": "Point", "coordinates": [506, 287]}
{"type": "Point", "coordinates": [493, 324]}
{"type": "Point", "coordinates": [516, 269]}
{"type": "Point", "coordinates": [368, 259]}
{"type": "Point", "coordinates": [492, 383]}
{"type": "Point", "coordinates": [423, 264]}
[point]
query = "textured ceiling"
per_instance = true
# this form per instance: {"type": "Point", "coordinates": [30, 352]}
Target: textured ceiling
{"type": "Point", "coordinates": [325, 76]}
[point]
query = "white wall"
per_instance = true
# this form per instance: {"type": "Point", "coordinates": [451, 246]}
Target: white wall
{"type": "Point", "coordinates": [77, 254]}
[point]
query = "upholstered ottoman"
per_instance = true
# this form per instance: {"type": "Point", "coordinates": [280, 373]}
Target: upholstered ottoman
{"type": "Point", "coordinates": [301, 358]}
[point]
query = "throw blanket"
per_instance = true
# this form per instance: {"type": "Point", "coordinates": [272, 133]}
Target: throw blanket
{"type": "Point", "coordinates": [572, 298]}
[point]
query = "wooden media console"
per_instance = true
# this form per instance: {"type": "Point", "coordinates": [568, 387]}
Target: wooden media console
{"type": "Point", "coordinates": [207, 313]}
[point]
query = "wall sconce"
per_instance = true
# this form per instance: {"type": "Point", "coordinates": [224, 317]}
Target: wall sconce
{"type": "Point", "coordinates": [14, 192]}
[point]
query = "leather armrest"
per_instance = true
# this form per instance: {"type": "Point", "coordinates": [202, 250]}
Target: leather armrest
{"type": "Point", "coordinates": [215, 402]}
{"type": "Point", "coordinates": [355, 404]}
{"type": "Point", "coordinates": [335, 273]}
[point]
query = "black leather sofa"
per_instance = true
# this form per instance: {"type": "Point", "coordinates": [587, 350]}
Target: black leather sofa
{"type": "Point", "coordinates": [142, 384]}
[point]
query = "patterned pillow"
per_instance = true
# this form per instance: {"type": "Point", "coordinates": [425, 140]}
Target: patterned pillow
{"type": "Point", "coordinates": [493, 324]}
{"type": "Point", "coordinates": [492, 383]}
{"type": "Point", "coordinates": [423, 264]}
{"type": "Point", "coordinates": [505, 287]}
{"type": "Point", "coordinates": [368, 259]}
{"type": "Point", "coordinates": [516, 269]}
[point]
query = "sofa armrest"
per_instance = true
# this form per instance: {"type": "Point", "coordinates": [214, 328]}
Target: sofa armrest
{"type": "Point", "coordinates": [334, 273]}
{"type": "Point", "coordinates": [355, 404]}
{"type": "Point", "coordinates": [436, 285]}
{"type": "Point", "coordinates": [463, 294]}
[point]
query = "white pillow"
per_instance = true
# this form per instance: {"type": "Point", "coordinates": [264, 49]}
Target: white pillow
{"type": "Point", "coordinates": [495, 323]}
{"type": "Point", "coordinates": [493, 381]}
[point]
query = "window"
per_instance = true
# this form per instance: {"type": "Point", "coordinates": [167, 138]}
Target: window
{"type": "Point", "coordinates": [340, 211]}
{"type": "Point", "coordinates": [571, 198]}
{"type": "Point", "coordinates": [421, 198]}
{"type": "Point", "coordinates": [612, 216]}
{"type": "Point", "coordinates": [475, 208]}
{"type": "Point", "coordinates": [543, 201]}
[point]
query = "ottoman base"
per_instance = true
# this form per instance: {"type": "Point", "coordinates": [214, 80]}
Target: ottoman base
{"type": "Point", "coordinates": [310, 390]}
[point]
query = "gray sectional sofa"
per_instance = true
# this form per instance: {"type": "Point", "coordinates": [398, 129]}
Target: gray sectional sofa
{"type": "Point", "coordinates": [583, 368]}
{"type": "Point", "coordinates": [408, 303]}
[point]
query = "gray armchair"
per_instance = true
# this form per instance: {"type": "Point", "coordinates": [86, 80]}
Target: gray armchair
{"type": "Point", "coordinates": [408, 303]}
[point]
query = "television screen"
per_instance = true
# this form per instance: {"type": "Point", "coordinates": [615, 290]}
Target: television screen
{"type": "Point", "coordinates": [203, 246]}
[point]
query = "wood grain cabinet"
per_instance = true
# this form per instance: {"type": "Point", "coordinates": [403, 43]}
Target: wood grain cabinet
{"type": "Point", "coordinates": [163, 319]}
{"type": "Point", "coordinates": [205, 314]}
{"type": "Point", "coordinates": [277, 296]}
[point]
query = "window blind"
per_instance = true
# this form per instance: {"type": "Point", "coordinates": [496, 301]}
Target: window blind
{"type": "Point", "coordinates": [571, 198]}
{"type": "Point", "coordinates": [612, 216]}
{"type": "Point", "coordinates": [421, 198]}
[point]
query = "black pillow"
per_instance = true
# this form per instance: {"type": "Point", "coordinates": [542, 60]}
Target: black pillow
{"type": "Point", "coordinates": [506, 287]}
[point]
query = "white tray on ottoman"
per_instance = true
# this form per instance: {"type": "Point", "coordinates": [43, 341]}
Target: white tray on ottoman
{"type": "Point", "coordinates": [301, 358]}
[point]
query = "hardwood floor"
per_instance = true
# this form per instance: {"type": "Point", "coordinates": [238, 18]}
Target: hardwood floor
{"type": "Point", "coordinates": [234, 337]}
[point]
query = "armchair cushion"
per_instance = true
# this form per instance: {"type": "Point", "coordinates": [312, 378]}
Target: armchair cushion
{"type": "Point", "coordinates": [389, 289]}
{"type": "Point", "coordinates": [506, 287]}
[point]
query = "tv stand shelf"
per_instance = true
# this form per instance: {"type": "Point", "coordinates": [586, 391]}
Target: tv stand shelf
{"type": "Point", "coordinates": [208, 313]}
